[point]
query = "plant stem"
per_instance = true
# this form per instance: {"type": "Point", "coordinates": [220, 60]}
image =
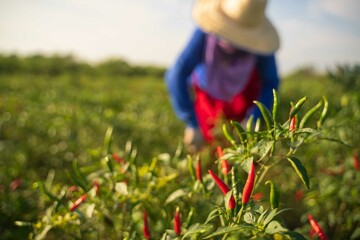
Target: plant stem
{"type": "Point", "coordinates": [240, 213]}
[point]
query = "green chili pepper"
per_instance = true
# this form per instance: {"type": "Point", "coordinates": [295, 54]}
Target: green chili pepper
{"type": "Point", "coordinates": [323, 113]}
{"type": "Point", "coordinates": [274, 194]}
{"type": "Point", "coordinates": [297, 107]}
{"type": "Point", "coordinates": [275, 109]}
{"type": "Point", "coordinates": [266, 114]}
{"type": "Point", "coordinates": [249, 123]}
{"type": "Point", "coordinates": [190, 216]}
{"type": "Point", "coordinates": [227, 135]}
{"type": "Point", "coordinates": [191, 167]}
{"type": "Point", "coordinates": [240, 130]}
{"type": "Point", "coordinates": [309, 114]}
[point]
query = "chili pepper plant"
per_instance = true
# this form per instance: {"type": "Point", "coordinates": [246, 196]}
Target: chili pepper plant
{"type": "Point", "coordinates": [234, 194]}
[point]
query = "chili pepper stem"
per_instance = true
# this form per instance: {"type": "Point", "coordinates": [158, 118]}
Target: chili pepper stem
{"type": "Point", "coordinates": [238, 220]}
{"type": "Point", "coordinates": [263, 174]}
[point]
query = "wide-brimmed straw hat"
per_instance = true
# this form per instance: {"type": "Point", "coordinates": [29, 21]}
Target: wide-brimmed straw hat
{"type": "Point", "coordinates": [241, 22]}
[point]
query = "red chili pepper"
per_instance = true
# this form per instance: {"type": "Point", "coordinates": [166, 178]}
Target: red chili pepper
{"type": "Point", "coordinates": [356, 162]}
{"type": "Point", "coordinates": [224, 163]}
{"type": "Point", "coordinates": [73, 188]}
{"type": "Point", "coordinates": [257, 196]}
{"type": "Point", "coordinates": [117, 158]}
{"type": "Point", "coordinates": [15, 184]}
{"type": "Point", "coordinates": [96, 186]}
{"type": "Point", "coordinates": [177, 222]}
{"type": "Point", "coordinates": [315, 226]}
{"type": "Point", "coordinates": [198, 170]}
{"type": "Point", "coordinates": [292, 126]}
{"type": "Point", "coordinates": [224, 189]}
{"type": "Point", "coordinates": [78, 202]}
{"type": "Point", "coordinates": [299, 195]}
{"type": "Point", "coordinates": [146, 229]}
{"type": "Point", "coordinates": [249, 185]}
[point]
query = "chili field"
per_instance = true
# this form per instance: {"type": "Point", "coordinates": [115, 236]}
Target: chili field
{"type": "Point", "coordinates": [91, 156]}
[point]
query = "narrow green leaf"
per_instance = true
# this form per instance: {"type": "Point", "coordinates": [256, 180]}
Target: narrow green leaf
{"type": "Point", "coordinates": [175, 195]}
{"type": "Point", "coordinates": [300, 170]}
{"type": "Point", "coordinates": [261, 217]}
{"type": "Point", "coordinates": [79, 176]}
{"type": "Point", "coordinates": [49, 194]}
{"type": "Point", "coordinates": [270, 216]}
{"type": "Point", "coordinates": [190, 166]}
{"type": "Point", "coordinates": [107, 141]}
{"type": "Point", "coordinates": [213, 214]}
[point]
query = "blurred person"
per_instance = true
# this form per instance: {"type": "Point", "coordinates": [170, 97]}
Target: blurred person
{"type": "Point", "coordinates": [228, 63]}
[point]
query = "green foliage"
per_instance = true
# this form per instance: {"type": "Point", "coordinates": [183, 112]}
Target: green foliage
{"type": "Point", "coordinates": [57, 65]}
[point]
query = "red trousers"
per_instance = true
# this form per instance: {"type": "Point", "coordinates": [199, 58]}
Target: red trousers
{"type": "Point", "coordinates": [208, 109]}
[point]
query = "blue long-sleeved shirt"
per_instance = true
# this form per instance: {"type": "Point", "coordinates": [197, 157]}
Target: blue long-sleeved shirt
{"type": "Point", "coordinates": [177, 79]}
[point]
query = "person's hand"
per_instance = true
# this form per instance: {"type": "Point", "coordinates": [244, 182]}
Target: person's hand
{"type": "Point", "coordinates": [193, 139]}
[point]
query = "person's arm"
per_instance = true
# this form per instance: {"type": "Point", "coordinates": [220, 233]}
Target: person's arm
{"type": "Point", "coordinates": [269, 80]}
{"type": "Point", "coordinates": [177, 78]}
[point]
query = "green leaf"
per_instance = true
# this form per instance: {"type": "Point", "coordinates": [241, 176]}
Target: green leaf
{"type": "Point", "coordinates": [294, 235]}
{"type": "Point", "coordinates": [107, 140]}
{"type": "Point", "coordinates": [270, 216]}
{"type": "Point", "coordinates": [121, 188]}
{"type": "Point", "coordinates": [197, 229]}
{"type": "Point", "coordinates": [249, 218]}
{"type": "Point", "coordinates": [190, 166]}
{"type": "Point", "coordinates": [79, 177]}
{"type": "Point", "coordinates": [275, 227]}
{"type": "Point", "coordinates": [300, 170]}
{"type": "Point", "coordinates": [262, 148]}
{"type": "Point", "coordinates": [43, 233]}
{"type": "Point", "coordinates": [213, 214]}
{"type": "Point", "coordinates": [246, 164]}
{"type": "Point", "coordinates": [229, 229]}
{"type": "Point", "coordinates": [263, 214]}
{"type": "Point", "coordinates": [175, 195]}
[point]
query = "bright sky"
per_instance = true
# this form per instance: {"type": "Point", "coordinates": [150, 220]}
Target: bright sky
{"type": "Point", "coordinates": [320, 33]}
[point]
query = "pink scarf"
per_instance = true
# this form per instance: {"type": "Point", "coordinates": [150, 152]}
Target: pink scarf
{"type": "Point", "coordinates": [228, 69]}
